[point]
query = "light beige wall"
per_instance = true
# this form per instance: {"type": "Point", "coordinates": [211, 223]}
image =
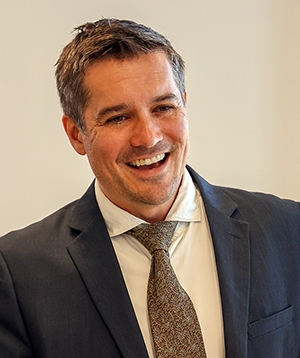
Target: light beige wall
{"type": "Point", "coordinates": [243, 80]}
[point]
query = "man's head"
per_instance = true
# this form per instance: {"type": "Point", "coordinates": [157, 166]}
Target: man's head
{"type": "Point", "coordinates": [122, 90]}
{"type": "Point", "coordinates": [101, 40]}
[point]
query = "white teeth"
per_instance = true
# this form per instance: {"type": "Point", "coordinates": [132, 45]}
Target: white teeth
{"type": "Point", "coordinates": [148, 161]}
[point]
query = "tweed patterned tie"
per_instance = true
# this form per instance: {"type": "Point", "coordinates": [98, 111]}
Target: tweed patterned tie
{"type": "Point", "coordinates": [175, 328]}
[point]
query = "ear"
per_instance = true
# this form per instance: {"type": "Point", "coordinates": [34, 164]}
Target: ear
{"type": "Point", "coordinates": [74, 134]}
{"type": "Point", "coordinates": [185, 96]}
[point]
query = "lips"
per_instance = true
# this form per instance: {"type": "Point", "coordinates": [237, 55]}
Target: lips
{"type": "Point", "coordinates": [149, 162]}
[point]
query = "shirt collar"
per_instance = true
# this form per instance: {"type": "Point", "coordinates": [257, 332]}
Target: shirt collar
{"type": "Point", "coordinates": [185, 208]}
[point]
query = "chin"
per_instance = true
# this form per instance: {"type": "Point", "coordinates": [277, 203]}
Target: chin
{"type": "Point", "coordinates": [158, 196]}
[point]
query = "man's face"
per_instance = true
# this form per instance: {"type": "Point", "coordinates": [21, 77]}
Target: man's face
{"type": "Point", "coordinates": [136, 136]}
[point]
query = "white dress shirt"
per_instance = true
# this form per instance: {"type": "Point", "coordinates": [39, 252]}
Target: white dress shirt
{"type": "Point", "coordinates": [192, 257]}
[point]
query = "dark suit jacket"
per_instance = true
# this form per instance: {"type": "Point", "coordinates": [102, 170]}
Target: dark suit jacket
{"type": "Point", "coordinates": [62, 293]}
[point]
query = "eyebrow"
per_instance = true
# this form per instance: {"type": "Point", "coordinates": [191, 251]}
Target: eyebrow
{"type": "Point", "coordinates": [166, 97]}
{"type": "Point", "coordinates": [122, 106]}
{"type": "Point", "coordinates": [109, 110]}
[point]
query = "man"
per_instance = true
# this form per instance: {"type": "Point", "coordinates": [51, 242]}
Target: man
{"type": "Point", "coordinates": [75, 283]}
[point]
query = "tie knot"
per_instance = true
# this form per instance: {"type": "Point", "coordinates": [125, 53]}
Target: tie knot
{"type": "Point", "coordinates": [156, 236]}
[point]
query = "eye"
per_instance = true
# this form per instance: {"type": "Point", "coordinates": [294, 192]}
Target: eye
{"type": "Point", "coordinates": [116, 120]}
{"type": "Point", "coordinates": [164, 108]}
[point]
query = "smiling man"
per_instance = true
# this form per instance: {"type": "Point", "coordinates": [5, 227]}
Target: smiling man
{"type": "Point", "coordinates": [152, 261]}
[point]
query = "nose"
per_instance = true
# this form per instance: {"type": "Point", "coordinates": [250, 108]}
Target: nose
{"type": "Point", "coordinates": [147, 132]}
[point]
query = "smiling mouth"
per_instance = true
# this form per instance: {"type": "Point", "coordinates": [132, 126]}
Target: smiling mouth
{"type": "Point", "coordinates": [149, 163]}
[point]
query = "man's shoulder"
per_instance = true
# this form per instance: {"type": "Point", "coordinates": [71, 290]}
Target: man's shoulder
{"type": "Point", "coordinates": [261, 201]}
{"type": "Point", "coordinates": [59, 225]}
{"type": "Point", "coordinates": [267, 215]}
{"type": "Point", "coordinates": [46, 229]}
{"type": "Point", "coordinates": [257, 203]}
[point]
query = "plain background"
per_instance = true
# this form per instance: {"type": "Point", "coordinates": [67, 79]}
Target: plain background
{"type": "Point", "coordinates": [243, 81]}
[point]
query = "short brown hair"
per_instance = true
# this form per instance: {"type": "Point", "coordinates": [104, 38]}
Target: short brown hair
{"type": "Point", "coordinates": [103, 39]}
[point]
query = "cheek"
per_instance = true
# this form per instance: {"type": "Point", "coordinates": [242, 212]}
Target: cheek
{"type": "Point", "coordinates": [183, 139]}
{"type": "Point", "coordinates": [180, 131]}
{"type": "Point", "coordinates": [103, 149]}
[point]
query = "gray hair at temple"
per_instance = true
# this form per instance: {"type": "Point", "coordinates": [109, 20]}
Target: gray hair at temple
{"type": "Point", "coordinates": [106, 39]}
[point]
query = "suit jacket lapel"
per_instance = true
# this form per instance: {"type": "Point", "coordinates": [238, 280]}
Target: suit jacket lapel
{"type": "Point", "coordinates": [231, 244]}
{"type": "Point", "coordinates": [95, 259]}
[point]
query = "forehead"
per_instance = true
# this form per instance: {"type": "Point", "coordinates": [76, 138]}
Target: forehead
{"type": "Point", "coordinates": [146, 71]}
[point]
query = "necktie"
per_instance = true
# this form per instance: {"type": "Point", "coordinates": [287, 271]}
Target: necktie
{"type": "Point", "coordinates": [175, 328]}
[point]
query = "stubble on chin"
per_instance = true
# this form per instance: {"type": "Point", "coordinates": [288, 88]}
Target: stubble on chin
{"type": "Point", "coordinates": [158, 194]}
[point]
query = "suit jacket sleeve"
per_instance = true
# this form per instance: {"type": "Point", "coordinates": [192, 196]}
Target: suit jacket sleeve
{"type": "Point", "coordinates": [14, 342]}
